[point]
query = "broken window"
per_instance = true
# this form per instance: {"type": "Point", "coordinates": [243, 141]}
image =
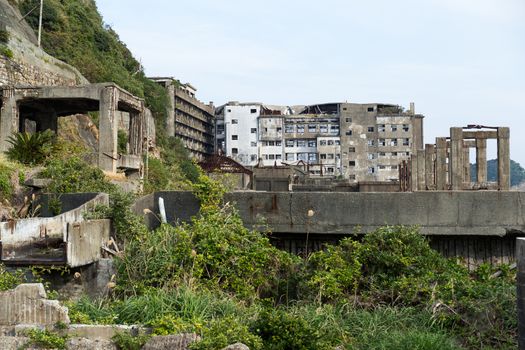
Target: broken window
{"type": "Point", "coordinates": [330, 170]}
{"type": "Point", "coordinates": [271, 143]}
{"type": "Point", "coordinates": [312, 157]}
{"type": "Point", "coordinates": [290, 156]}
{"type": "Point", "coordinates": [300, 129]}
{"type": "Point", "coordinates": [370, 109]}
{"type": "Point", "coordinates": [323, 155]}
{"type": "Point", "coordinates": [394, 154]}
{"type": "Point", "coordinates": [330, 156]}
{"type": "Point", "coordinates": [253, 157]}
{"type": "Point", "coordinates": [235, 151]}
{"type": "Point", "coordinates": [382, 154]}
{"type": "Point", "coordinates": [370, 129]}
{"type": "Point", "coordinates": [393, 127]}
{"type": "Point", "coordinates": [405, 127]}
{"type": "Point", "coordinates": [370, 142]}
{"type": "Point", "coordinates": [348, 133]}
{"type": "Point", "coordinates": [289, 129]}
{"type": "Point", "coordinates": [381, 128]}
{"type": "Point", "coordinates": [393, 167]}
{"type": "Point", "coordinates": [302, 156]}
{"type": "Point", "coordinates": [382, 142]}
{"type": "Point", "coordinates": [278, 156]}
{"type": "Point", "coordinates": [381, 167]}
{"type": "Point", "coordinates": [228, 110]}
{"type": "Point", "coordinates": [371, 170]}
{"type": "Point", "coordinates": [279, 129]}
{"type": "Point", "coordinates": [351, 177]}
{"type": "Point", "coordinates": [253, 110]}
{"type": "Point", "coordinates": [235, 121]}
{"type": "Point", "coordinates": [278, 143]}
{"type": "Point", "coordinates": [351, 149]}
{"type": "Point", "coordinates": [312, 128]}
{"type": "Point", "coordinates": [253, 144]}
{"type": "Point", "coordinates": [393, 142]}
{"type": "Point", "coordinates": [348, 120]}
{"type": "Point", "coordinates": [312, 143]}
{"type": "Point", "coordinates": [337, 142]}
{"type": "Point", "coordinates": [334, 129]}
{"type": "Point", "coordinates": [301, 143]}
{"type": "Point", "coordinates": [322, 143]}
{"type": "Point", "coordinates": [371, 156]}
{"type": "Point", "coordinates": [235, 137]}
{"type": "Point", "coordinates": [406, 142]}
{"type": "Point", "coordinates": [323, 128]}
{"type": "Point", "coordinates": [289, 143]}
{"type": "Point", "coordinates": [351, 163]}
{"type": "Point", "coordinates": [253, 130]}
{"type": "Point", "coordinates": [271, 156]}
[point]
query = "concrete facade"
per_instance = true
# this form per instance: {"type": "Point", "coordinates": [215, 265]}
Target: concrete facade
{"type": "Point", "coordinates": [358, 142]}
{"type": "Point", "coordinates": [520, 289]}
{"type": "Point", "coordinates": [189, 119]}
{"type": "Point", "coordinates": [42, 106]}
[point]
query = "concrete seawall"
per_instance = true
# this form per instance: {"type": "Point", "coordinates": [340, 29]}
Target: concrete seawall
{"type": "Point", "coordinates": [482, 213]}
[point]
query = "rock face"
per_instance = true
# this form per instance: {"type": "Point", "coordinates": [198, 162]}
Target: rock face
{"type": "Point", "coordinates": [171, 342]}
{"type": "Point", "coordinates": [27, 304]}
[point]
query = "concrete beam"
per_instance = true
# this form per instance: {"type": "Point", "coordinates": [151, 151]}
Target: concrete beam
{"type": "Point", "coordinates": [466, 165]}
{"type": "Point", "coordinates": [483, 134]}
{"type": "Point", "coordinates": [421, 186]}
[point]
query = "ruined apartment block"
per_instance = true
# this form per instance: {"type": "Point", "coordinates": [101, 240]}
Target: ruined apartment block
{"type": "Point", "coordinates": [359, 142]}
{"type": "Point", "coordinates": [189, 119]}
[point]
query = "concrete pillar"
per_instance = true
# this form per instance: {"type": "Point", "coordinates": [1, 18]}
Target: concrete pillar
{"type": "Point", "coordinates": [9, 122]}
{"type": "Point", "coordinates": [429, 167]}
{"type": "Point", "coordinates": [107, 142]}
{"type": "Point", "coordinates": [421, 170]}
{"type": "Point", "coordinates": [456, 159]}
{"type": "Point", "coordinates": [466, 165]}
{"type": "Point", "coordinates": [481, 160]}
{"type": "Point", "coordinates": [441, 163]}
{"type": "Point", "coordinates": [170, 118]}
{"type": "Point", "coordinates": [520, 281]}
{"type": "Point", "coordinates": [503, 159]}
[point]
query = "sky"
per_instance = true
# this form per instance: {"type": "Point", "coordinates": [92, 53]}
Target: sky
{"type": "Point", "coordinates": [460, 61]}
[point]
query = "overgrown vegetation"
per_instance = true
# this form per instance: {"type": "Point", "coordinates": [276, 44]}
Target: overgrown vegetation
{"type": "Point", "coordinates": [46, 339]}
{"type": "Point", "coordinates": [31, 148]}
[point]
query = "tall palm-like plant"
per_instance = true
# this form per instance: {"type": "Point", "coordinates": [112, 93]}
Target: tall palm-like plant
{"type": "Point", "coordinates": [31, 149]}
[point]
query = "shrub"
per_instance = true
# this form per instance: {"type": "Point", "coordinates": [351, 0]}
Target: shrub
{"type": "Point", "coordinates": [280, 330]}
{"type": "Point", "coordinates": [46, 339]}
{"type": "Point", "coordinates": [226, 331]}
{"type": "Point", "coordinates": [127, 341]}
{"type": "Point", "coordinates": [4, 36]}
{"type": "Point", "coordinates": [29, 148]}
{"type": "Point", "coordinates": [9, 280]}
{"type": "Point", "coordinates": [6, 186]}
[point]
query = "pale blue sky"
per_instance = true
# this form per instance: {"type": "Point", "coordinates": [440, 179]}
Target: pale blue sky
{"type": "Point", "coordinates": [461, 61]}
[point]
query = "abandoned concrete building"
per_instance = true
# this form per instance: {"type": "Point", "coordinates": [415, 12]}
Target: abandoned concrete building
{"type": "Point", "coordinates": [358, 142]}
{"type": "Point", "coordinates": [25, 108]}
{"type": "Point", "coordinates": [189, 119]}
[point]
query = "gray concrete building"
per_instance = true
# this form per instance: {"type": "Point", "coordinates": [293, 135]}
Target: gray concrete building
{"type": "Point", "coordinates": [358, 142]}
{"type": "Point", "coordinates": [188, 118]}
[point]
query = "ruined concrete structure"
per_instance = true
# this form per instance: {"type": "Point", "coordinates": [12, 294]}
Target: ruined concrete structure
{"type": "Point", "coordinates": [38, 108]}
{"type": "Point", "coordinates": [63, 239]}
{"type": "Point", "coordinates": [445, 165]}
{"type": "Point", "coordinates": [188, 118]}
{"type": "Point", "coordinates": [358, 142]}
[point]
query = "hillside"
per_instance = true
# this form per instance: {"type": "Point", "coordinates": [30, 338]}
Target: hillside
{"type": "Point", "coordinates": [517, 173]}
{"type": "Point", "coordinates": [75, 33]}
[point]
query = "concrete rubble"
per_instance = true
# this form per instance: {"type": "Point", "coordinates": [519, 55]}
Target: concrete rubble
{"type": "Point", "coordinates": [171, 342]}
